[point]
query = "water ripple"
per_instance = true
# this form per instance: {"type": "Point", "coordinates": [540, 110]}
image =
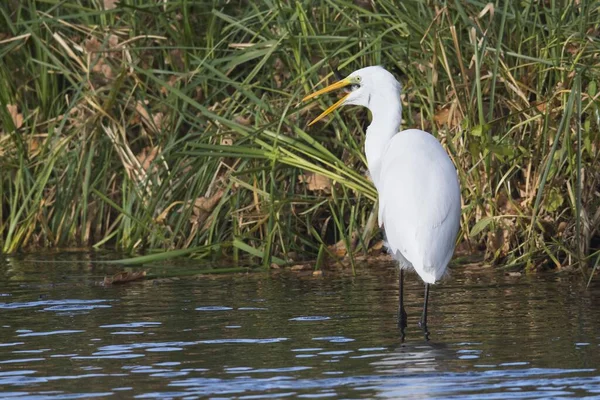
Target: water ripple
{"type": "Point", "coordinates": [334, 339]}
{"type": "Point", "coordinates": [244, 341]}
{"type": "Point", "coordinates": [76, 303]}
{"type": "Point", "coordinates": [306, 338]}
{"type": "Point", "coordinates": [310, 318]}
{"type": "Point", "coordinates": [21, 360]}
{"type": "Point", "coordinates": [11, 344]}
{"type": "Point", "coordinates": [76, 307]}
{"type": "Point", "coordinates": [143, 345]}
{"type": "Point", "coordinates": [132, 325]}
{"type": "Point", "coordinates": [60, 332]}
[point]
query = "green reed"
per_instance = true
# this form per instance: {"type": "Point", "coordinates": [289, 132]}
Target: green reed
{"type": "Point", "coordinates": [162, 126]}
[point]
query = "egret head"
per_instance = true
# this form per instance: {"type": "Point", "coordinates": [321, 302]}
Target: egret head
{"type": "Point", "coordinates": [362, 87]}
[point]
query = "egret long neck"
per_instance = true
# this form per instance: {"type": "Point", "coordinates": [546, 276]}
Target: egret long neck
{"type": "Point", "coordinates": [387, 117]}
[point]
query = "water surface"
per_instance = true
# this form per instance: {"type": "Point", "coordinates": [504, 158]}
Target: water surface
{"type": "Point", "coordinates": [291, 335]}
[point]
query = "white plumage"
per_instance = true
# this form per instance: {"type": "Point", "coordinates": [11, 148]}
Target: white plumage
{"type": "Point", "coordinates": [419, 203]}
{"type": "Point", "coordinates": [419, 193]}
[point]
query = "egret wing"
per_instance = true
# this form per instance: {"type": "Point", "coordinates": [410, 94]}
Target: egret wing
{"type": "Point", "coordinates": [419, 202]}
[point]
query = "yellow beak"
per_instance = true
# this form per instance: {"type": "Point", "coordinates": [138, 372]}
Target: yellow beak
{"type": "Point", "coordinates": [338, 85]}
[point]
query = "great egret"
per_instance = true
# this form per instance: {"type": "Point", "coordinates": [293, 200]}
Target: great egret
{"type": "Point", "coordinates": [419, 193]}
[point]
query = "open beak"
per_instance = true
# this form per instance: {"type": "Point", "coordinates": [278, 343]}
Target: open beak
{"type": "Point", "coordinates": [338, 85]}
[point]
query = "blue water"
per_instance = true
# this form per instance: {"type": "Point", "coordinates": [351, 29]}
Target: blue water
{"type": "Point", "coordinates": [292, 335]}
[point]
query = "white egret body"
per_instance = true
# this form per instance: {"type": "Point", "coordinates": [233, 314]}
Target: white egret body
{"type": "Point", "coordinates": [419, 193]}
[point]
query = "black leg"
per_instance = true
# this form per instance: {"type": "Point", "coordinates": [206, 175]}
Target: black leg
{"type": "Point", "coordinates": [401, 310]}
{"type": "Point", "coordinates": [423, 322]}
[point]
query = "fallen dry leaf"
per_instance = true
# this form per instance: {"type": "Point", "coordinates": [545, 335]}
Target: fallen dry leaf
{"type": "Point", "coordinates": [110, 4]}
{"type": "Point", "coordinates": [316, 182]}
{"type": "Point", "coordinates": [123, 277]}
{"type": "Point", "coordinates": [541, 106]}
{"type": "Point", "coordinates": [91, 45]}
{"type": "Point", "coordinates": [300, 267]}
{"type": "Point", "coordinates": [17, 118]}
{"type": "Point", "coordinates": [33, 146]}
{"type": "Point", "coordinates": [441, 116]}
{"type": "Point", "coordinates": [339, 249]}
{"type": "Point", "coordinates": [147, 156]}
{"type": "Point", "coordinates": [562, 226]}
{"type": "Point", "coordinates": [98, 59]}
{"type": "Point", "coordinates": [206, 205]}
{"type": "Point", "coordinates": [202, 209]}
{"type": "Point", "coordinates": [377, 246]}
{"type": "Point", "coordinates": [104, 69]}
{"type": "Point", "coordinates": [447, 115]}
{"type": "Point", "coordinates": [152, 122]}
{"type": "Point", "coordinates": [113, 41]}
{"type": "Point", "coordinates": [281, 73]}
{"type": "Point", "coordinates": [141, 109]}
{"type": "Point", "coordinates": [158, 120]}
{"type": "Point", "coordinates": [171, 82]}
{"type": "Point", "coordinates": [79, 115]}
{"type": "Point", "coordinates": [242, 120]}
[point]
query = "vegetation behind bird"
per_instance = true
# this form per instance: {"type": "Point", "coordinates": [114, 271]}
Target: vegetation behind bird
{"type": "Point", "coordinates": [160, 126]}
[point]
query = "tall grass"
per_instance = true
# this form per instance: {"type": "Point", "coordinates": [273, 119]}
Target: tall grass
{"type": "Point", "coordinates": [177, 125]}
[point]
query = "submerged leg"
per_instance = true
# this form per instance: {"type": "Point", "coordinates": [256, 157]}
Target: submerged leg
{"type": "Point", "coordinates": [401, 310]}
{"type": "Point", "coordinates": [423, 322]}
